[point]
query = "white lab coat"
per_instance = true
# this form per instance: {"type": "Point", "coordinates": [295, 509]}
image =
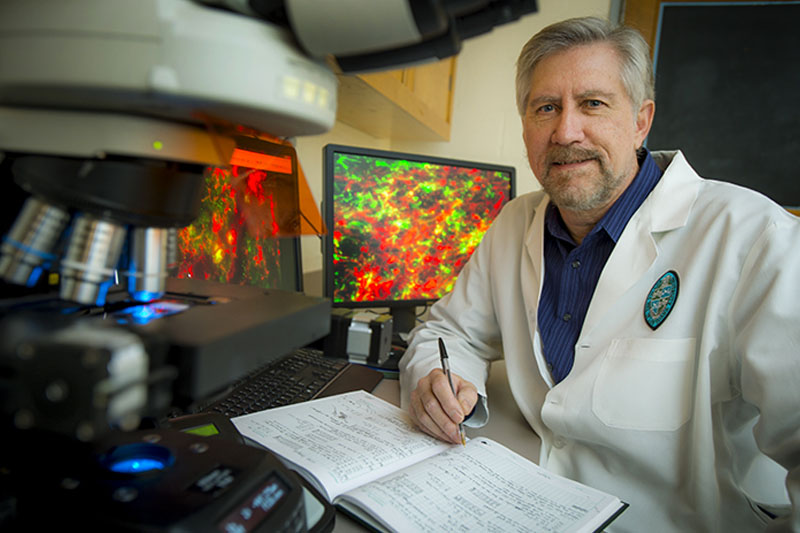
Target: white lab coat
{"type": "Point", "coordinates": [692, 423]}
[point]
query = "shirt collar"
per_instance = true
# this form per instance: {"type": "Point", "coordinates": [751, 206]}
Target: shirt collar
{"type": "Point", "coordinates": [617, 217]}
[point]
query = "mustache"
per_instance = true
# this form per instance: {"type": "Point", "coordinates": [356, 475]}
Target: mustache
{"type": "Point", "coordinates": [570, 154]}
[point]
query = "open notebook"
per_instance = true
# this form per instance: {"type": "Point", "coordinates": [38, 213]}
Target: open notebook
{"type": "Point", "coordinates": [366, 456]}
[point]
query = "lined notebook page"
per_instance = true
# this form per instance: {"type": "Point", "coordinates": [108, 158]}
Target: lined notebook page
{"type": "Point", "coordinates": [344, 440]}
{"type": "Point", "coordinates": [483, 487]}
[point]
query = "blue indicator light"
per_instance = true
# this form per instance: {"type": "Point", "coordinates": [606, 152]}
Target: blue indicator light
{"type": "Point", "coordinates": [142, 314]}
{"type": "Point", "coordinates": [146, 313]}
{"type": "Point", "coordinates": [137, 465]}
{"type": "Point", "coordinates": [146, 296]}
{"type": "Point", "coordinates": [138, 458]}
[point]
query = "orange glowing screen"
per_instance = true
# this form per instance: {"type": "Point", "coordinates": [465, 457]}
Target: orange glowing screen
{"type": "Point", "coordinates": [247, 210]}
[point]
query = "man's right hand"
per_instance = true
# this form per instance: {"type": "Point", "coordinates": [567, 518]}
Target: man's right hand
{"type": "Point", "coordinates": [434, 408]}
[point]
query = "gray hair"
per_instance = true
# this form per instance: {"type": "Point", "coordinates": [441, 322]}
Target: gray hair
{"type": "Point", "coordinates": [636, 67]}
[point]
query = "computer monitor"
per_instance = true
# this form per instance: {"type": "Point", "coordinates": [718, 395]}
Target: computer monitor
{"type": "Point", "coordinates": [235, 238]}
{"type": "Point", "coordinates": [401, 226]}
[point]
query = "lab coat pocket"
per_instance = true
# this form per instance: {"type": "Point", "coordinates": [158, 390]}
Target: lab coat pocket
{"type": "Point", "coordinates": [645, 384]}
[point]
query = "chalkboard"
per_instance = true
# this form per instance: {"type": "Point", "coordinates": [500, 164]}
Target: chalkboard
{"type": "Point", "coordinates": [728, 93]}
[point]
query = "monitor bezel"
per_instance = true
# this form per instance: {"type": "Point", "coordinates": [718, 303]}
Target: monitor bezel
{"type": "Point", "coordinates": [327, 212]}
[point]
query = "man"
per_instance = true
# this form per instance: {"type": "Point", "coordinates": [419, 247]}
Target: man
{"type": "Point", "coordinates": [649, 318]}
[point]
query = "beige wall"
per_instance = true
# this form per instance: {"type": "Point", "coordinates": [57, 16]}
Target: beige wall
{"type": "Point", "coordinates": [485, 126]}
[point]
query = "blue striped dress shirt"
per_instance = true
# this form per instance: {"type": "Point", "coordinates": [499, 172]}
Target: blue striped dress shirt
{"type": "Point", "coordinates": [571, 272]}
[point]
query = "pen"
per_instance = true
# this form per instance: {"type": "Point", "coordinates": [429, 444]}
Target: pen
{"type": "Point", "coordinates": [446, 367]}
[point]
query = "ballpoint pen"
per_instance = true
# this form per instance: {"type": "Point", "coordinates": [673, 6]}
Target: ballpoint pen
{"type": "Point", "coordinates": [446, 367]}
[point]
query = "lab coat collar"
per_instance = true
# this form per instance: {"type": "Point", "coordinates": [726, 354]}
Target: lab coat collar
{"type": "Point", "coordinates": [672, 199]}
{"type": "Point", "coordinates": [534, 244]}
{"type": "Point", "coordinates": [532, 291]}
{"type": "Point", "coordinates": [666, 208]}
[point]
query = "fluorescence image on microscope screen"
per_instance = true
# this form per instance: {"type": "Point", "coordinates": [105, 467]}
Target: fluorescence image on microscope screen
{"type": "Point", "coordinates": [402, 230]}
{"type": "Point", "coordinates": [233, 238]}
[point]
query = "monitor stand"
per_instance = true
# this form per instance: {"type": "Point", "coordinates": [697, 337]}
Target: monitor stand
{"type": "Point", "coordinates": [404, 319]}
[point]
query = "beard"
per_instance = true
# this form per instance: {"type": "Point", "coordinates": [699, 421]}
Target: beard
{"type": "Point", "coordinates": [583, 189]}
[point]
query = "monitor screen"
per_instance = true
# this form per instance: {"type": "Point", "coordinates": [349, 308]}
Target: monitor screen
{"type": "Point", "coordinates": [401, 226]}
{"type": "Point", "coordinates": [234, 239]}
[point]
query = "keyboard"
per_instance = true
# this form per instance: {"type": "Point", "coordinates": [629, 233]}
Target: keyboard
{"type": "Point", "coordinates": [302, 375]}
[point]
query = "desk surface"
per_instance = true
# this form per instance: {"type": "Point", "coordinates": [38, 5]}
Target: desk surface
{"type": "Point", "coordinates": [506, 426]}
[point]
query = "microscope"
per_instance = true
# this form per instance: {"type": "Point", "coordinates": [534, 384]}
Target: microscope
{"type": "Point", "coordinates": [109, 112]}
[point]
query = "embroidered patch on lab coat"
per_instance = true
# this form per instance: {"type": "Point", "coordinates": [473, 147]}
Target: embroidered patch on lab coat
{"type": "Point", "coordinates": [661, 299]}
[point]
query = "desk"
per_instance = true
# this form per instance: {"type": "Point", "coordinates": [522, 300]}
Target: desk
{"type": "Point", "coordinates": [506, 426]}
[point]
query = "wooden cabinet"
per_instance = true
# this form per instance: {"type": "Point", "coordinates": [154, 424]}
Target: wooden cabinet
{"type": "Point", "coordinates": [412, 103]}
